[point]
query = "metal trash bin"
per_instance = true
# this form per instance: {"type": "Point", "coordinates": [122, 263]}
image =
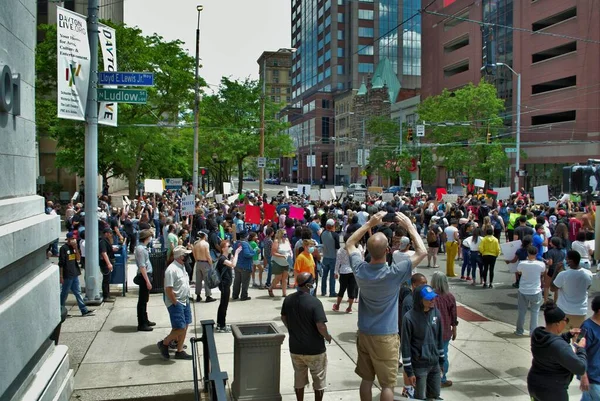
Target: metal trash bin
{"type": "Point", "coordinates": [119, 273]}
{"type": "Point", "coordinates": [158, 258]}
{"type": "Point", "coordinates": [256, 361]}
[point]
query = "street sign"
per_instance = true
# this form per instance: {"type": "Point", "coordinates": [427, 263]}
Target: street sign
{"type": "Point", "coordinates": [420, 130]}
{"type": "Point", "coordinates": [510, 150]}
{"type": "Point", "coordinates": [123, 96]}
{"type": "Point", "coordinates": [261, 162]}
{"type": "Point", "coordinates": [126, 78]}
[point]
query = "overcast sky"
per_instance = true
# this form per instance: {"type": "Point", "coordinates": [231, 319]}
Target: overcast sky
{"type": "Point", "coordinates": [233, 33]}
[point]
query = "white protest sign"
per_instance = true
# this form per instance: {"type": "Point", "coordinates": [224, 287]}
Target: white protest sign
{"type": "Point", "coordinates": [360, 196]}
{"type": "Point", "coordinates": [414, 186]}
{"type": "Point", "coordinates": [153, 186]}
{"type": "Point", "coordinates": [565, 197]}
{"type": "Point", "coordinates": [227, 188]}
{"type": "Point", "coordinates": [479, 183]}
{"type": "Point", "coordinates": [219, 198]}
{"type": "Point", "coordinates": [188, 204]}
{"type": "Point", "coordinates": [314, 194]}
{"type": "Point", "coordinates": [552, 203]}
{"type": "Point", "coordinates": [449, 198]}
{"type": "Point", "coordinates": [333, 194]}
{"type": "Point", "coordinates": [126, 200]}
{"type": "Point", "coordinates": [232, 198]}
{"type": "Point", "coordinates": [339, 189]}
{"type": "Point", "coordinates": [286, 192]}
{"type": "Point", "coordinates": [509, 249]}
{"type": "Point", "coordinates": [325, 194]}
{"type": "Point", "coordinates": [73, 62]}
{"type": "Point", "coordinates": [503, 193]}
{"type": "Point", "coordinates": [387, 197]}
{"type": "Point", "coordinates": [211, 193]}
{"type": "Point", "coordinates": [540, 194]}
{"type": "Point", "coordinates": [303, 189]}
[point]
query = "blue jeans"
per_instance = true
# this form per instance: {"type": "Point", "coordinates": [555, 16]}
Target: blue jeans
{"type": "Point", "coordinates": [593, 394]}
{"type": "Point", "coordinates": [475, 260]}
{"type": "Point", "coordinates": [446, 361]}
{"type": "Point", "coordinates": [72, 284]}
{"type": "Point", "coordinates": [466, 264]}
{"type": "Point", "coordinates": [328, 269]}
{"type": "Point", "coordinates": [268, 282]}
{"type": "Point", "coordinates": [428, 382]}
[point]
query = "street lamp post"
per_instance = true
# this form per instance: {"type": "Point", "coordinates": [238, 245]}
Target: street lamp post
{"type": "Point", "coordinates": [261, 173]}
{"type": "Point", "coordinates": [518, 136]}
{"type": "Point", "coordinates": [199, 8]}
{"type": "Point", "coordinates": [338, 169]}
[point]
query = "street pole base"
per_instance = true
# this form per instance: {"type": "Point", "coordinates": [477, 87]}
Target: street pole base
{"type": "Point", "coordinates": [97, 301]}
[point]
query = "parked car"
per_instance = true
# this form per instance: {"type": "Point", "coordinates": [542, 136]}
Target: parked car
{"type": "Point", "coordinates": [273, 181]}
{"type": "Point", "coordinates": [249, 179]}
{"type": "Point", "coordinates": [392, 190]}
{"type": "Point", "coordinates": [356, 187]}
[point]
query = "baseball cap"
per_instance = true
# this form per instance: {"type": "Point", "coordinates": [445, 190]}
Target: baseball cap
{"type": "Point", "coordinates": [562, 213]}
{"type": "Point", "coordinates": [404, 241]}
{"type": "Point", "coordinates": [428, 293]}
{"type": "Point", "coordinates": [180, 251]}
{"type": "Point", "coordinates": [330, 223]}
{"type": "Point", "coordinates": [69, 235]}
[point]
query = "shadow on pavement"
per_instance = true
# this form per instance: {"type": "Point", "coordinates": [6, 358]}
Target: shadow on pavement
{"type": "Point", "coordinates": [348, 337]}
{"type": "Point", "coordinates": [502, 305]}
{"type": "Point", "coordinates": [124, 329]}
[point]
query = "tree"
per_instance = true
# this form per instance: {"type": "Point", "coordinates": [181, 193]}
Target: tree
{"type": "Point", "coordinates": [230, 126]}
{"type": "Point", "coordinates": [461, 121]}
{"type": "Point", "coordinates": [149, 140]}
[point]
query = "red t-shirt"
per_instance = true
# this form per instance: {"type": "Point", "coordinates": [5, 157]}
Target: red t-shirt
{"type": "Point", "coordinates": [574, 227]}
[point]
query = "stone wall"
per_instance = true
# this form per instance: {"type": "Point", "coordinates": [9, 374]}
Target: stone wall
{"type": "Point", "coordinates": [34, 368]}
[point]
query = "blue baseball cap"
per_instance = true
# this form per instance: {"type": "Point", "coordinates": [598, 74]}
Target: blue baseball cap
{"type": "Point", "coordinates": [428, 293]}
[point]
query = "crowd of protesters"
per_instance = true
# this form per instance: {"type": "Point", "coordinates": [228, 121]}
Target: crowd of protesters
{"type": "Point", "coordinates": [367, 251]}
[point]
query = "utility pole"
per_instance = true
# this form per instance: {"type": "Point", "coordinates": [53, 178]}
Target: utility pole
{"type": "Point", "coordinates": [199, 8]}
{"type": "Point", "coordinates": [312, 164]}
{"type": "Point", "coordinates": [518, 159]}
{"type": "Point", "coordinates": [400, 150]}
{"type": "Point", "coordinates": [261, 172]}
{"type": "Point", "coordinates": [364, 151]}
{"type": "Point", "coordinates": [92, 272]}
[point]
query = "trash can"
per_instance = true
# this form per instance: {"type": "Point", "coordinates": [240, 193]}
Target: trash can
{"type": "Point", "coordinates": [256, 361]}
{"type": "Point", "coordinates": [158, 258]}
{"type": "Point", "coordinates": [119, 273]}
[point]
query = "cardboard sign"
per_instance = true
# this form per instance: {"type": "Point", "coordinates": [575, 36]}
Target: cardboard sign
{"type": "Point", "coordinates": [450, 198]}
{"type": "Point", "coordinates": [232, 198]}
{"type": "Point", "coordinates": [325, 194]}
{"type": "Point", "coordinates": [252, 214]}
{"type": "Point", "coordinates": [286, 192]}
{"type": "Point", "coordinates": [540, 194]}
{"type": "Point", "coordinates": [339, 189]}
{"type": "Point", "coordinates": [375, 190]}
{"type": "Point", "coordinates": [219, 198]}
{"type": "Point", "coordinates": [188, 204]}
{"type": "Point", "coordinates": [227, 188]}
{"type": "Point", "coordinates": [360, 196]}
{"type": "Point", "coordinates": [479, 183]}
{"type": "Point", "coordinates": [303, 190]}
{"type": "Point", "coordinates": [296, 213]}
{"type": "Point", "coordinates": [503, 193]}
{"type": "Point", "coordinates": [387, 197]}
{"type": "Point", "coordinates": [333, 194]}
{"type": "Point", "coordinates": [314, 194]}
{"type": "Point", "coordinates": [153, 186]}
{"type": "Point", "coordinates": [509, 249]}
{"type": "Point", "coordinates": [415, 186]}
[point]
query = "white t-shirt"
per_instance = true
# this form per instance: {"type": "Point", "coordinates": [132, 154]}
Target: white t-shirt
{"type": "Point", "coordinates": [531, 271]}
{"type": "Point", "coordinates": [573, 293]}
{"type": "Point", "coordinates": [176, 277]}
{"type": "Point", "coordinates": [398, 256]}
{"type": "Point", "coordinates": [583, 249]}
{"type": "Point", "coordinates": [449, 231]}
{"type": "Point", "coordinates": [473, 245]}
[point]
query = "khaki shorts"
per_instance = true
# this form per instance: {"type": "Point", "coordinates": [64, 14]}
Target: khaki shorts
{"type": "Point", "coordinates": [318, 370]}
{"type": "Point", "coordinates": [575, 322]}
{"type": "Point", "coordinates": [378, 356]}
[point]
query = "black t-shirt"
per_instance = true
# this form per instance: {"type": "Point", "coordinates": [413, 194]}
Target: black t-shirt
{"type": "Point", "coordinates": [522, 231]}
{"type": "Point", "coordinates": [105, 246]}
{"type": "Point", "coordinates": [303, 312]}
{"type": "Point", "coordinates": [224, 272]}
{"type": "Point", "coordinates": [214, 241]}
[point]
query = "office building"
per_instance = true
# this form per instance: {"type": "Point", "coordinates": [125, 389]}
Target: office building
{"type": "Point", "coordinates": [276, 69]}
{"type": "Point", "coordinates": [339, 44]}
{"type": "Point", "coordinates": [556, 50]}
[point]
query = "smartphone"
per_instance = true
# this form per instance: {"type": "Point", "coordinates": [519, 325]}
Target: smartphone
{"type": "Point", "coordinates": [581, 335]}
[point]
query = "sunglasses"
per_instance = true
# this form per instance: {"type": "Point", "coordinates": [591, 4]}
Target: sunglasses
{"type": "Point", "coordinates": [567, 320]}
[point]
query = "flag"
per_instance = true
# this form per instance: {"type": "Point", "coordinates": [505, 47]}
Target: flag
{"type": "Point", "coordinates": [491, 194]}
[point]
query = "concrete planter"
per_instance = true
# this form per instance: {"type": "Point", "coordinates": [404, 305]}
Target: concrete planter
{"type": "Point", "coordinates": [256, 362]}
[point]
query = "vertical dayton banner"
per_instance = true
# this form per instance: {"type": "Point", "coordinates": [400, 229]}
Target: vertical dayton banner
{"type": "Point", "coordinates": [108, 112]}
{"type": "Point", "coordinates": [73, 64]}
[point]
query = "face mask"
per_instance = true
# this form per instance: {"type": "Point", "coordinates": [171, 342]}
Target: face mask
{"type": "Point", "coordinates": [311, 249]}
{"type": "Point", "coordinates": [311, 290]}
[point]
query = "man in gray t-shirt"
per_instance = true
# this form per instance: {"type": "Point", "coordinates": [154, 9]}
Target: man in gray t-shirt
{"type": "Point", "coordinates": [331, 243]}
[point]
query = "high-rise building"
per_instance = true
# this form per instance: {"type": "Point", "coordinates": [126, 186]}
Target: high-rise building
{"type": "Point", "coordinates": [339, 44]}
{"type": "Point", "coordinates": [555, 49]}
{"type": "Point", "coordinates": [276, 70]}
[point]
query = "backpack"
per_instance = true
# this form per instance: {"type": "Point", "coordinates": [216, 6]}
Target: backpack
{"type": "Point", "coordinates": [213, 278]}
{"type": "Point", "coordinates": [431, 236]}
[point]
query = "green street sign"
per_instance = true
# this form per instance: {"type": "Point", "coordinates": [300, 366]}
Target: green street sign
{"type": "Point", "coordinates": [123, 96]}
{"type": "Point", "coordinates": [510, 150]}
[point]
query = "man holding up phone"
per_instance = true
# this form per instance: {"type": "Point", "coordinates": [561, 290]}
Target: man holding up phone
{"type": "Point", "coordinates": [590, 329]}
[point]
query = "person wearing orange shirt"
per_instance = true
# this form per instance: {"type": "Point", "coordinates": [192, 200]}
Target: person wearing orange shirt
{"type": "Point", "coordinates": [305, 263]}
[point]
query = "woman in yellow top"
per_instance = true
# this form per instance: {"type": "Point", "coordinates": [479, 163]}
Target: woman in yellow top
{"type": "Point", "coordinates": [489, 249]}
{"type": "Point", "coordinates": [305, 263]}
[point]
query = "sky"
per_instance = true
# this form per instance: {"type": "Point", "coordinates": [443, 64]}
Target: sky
{"type": "Point", "coordinates": [233, 33]}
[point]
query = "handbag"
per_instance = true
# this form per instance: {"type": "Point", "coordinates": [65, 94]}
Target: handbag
{"type": "Point", "coordinates": [139, 279]}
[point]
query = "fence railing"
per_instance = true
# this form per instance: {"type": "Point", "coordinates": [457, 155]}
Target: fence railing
{"type": "Point", "coordinates": [214, 380]}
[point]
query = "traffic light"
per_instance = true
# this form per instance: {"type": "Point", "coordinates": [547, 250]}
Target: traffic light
{"type": "Point", "coordinates": [489, 136]}
{"type": "Point", "coordinates": [410, 134]}
{"type": "Point", "coordinates": [203, 171]}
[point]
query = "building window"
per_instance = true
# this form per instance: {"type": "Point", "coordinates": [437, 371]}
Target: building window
{"type": "Point", "coordinates": [365, 14]}
{"type": "Point", "coordinates": [456, 44]}
{"type": "Point", "coordinates": [327, 37]}
{"type": "Point", "coordinates": [340, 35]}
{"type": "Point", "coordinates": [562, 83]}
{"type": "Point", "coordinates": [365, 50]}
{"type": "Point", "coordinates": [554, 52]}
{"type": "Point", "coordinates": [365, 32]}
{"type": "Point", "coordinates": [325, 129]}
{"type": "Point", "coordinates": [340, 69]}
{"type": "Point", "coordinates": [554, 118]}
{"type": "Point", "coordinates": [365, 67]}
{"type": "Point", "coordinates": [340, 17]}
{"type": "Point", "coordinates": [555, 19]}
{"type": "Point", "coordinates": [277, 99]}
{"type": "Point", "coordinates": [328, 55]}
{"type": "Point", "coordinates": [328, 72]}
{"type": "Point", "coordinates": [340, 52]}
{"type": "Point", "coordinates": [325, 103]}
{"type": "Point", "coordinates": [457, 68]}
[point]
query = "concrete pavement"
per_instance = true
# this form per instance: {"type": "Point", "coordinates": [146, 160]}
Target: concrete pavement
{"type": "Point", "coordinates": [112, 361]}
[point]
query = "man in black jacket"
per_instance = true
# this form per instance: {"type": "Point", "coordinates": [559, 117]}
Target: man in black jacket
{"type": "Point", "coordinates": [107, 258]}
{"type": "Point", "coordinates": [422, 344]}
{"type": "Point", "coordinates": [68, 258]}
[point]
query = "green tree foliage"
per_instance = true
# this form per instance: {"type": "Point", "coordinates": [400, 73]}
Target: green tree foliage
{"type": "Point", "coordinates": [149, 141]}
{"type": "Point", "coordinates": [466, 148]}
{"type": "Point", "coordinates": [230, 126]}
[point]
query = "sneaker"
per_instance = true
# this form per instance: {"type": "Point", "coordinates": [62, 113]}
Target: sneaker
{"type": "Point", "coordinates": [516, 333]}
{"type": "Point", "coordinates": [223, 329]}
{"type": "Point", "coordinates": [164, 350]}
{"type": "Point", "coordinates": [469, 278]}
{"type": "Point", "coordinates": [515, 285]}
{"type": "Point", "coordinates": [173, 345]}
{"type": "Point", "coordinates": [144, 328]}
{"type": "Point", "coordinates": [447, 383]}
{"type": "Point", "coordinates": [210, 299]}
{"type": "Point", "coordinates": [348, 310]}
{"type": "Point", "coordinates": [254, 285]}
{"type": "Point", "coordinates": [408, 392]}
{"type": "Point", "coordinates": [88, 312]}
{"type": "Point", "coordinates": [485, 285]}
{"type": "Point", "coordinates": [336, 307]}
{"type": "Point", "coordinates": [149, 323]}
{"type": "Point", "coordinates": [198, 298]}
{"type": "Point", "coordinates": [463, 278]}
{"type": "Point", "coordinates": [491, 285]}
{"type": "Point", "coordinates": [183, 355]}
{"type": "Point", "coordinates": [246, 299]}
